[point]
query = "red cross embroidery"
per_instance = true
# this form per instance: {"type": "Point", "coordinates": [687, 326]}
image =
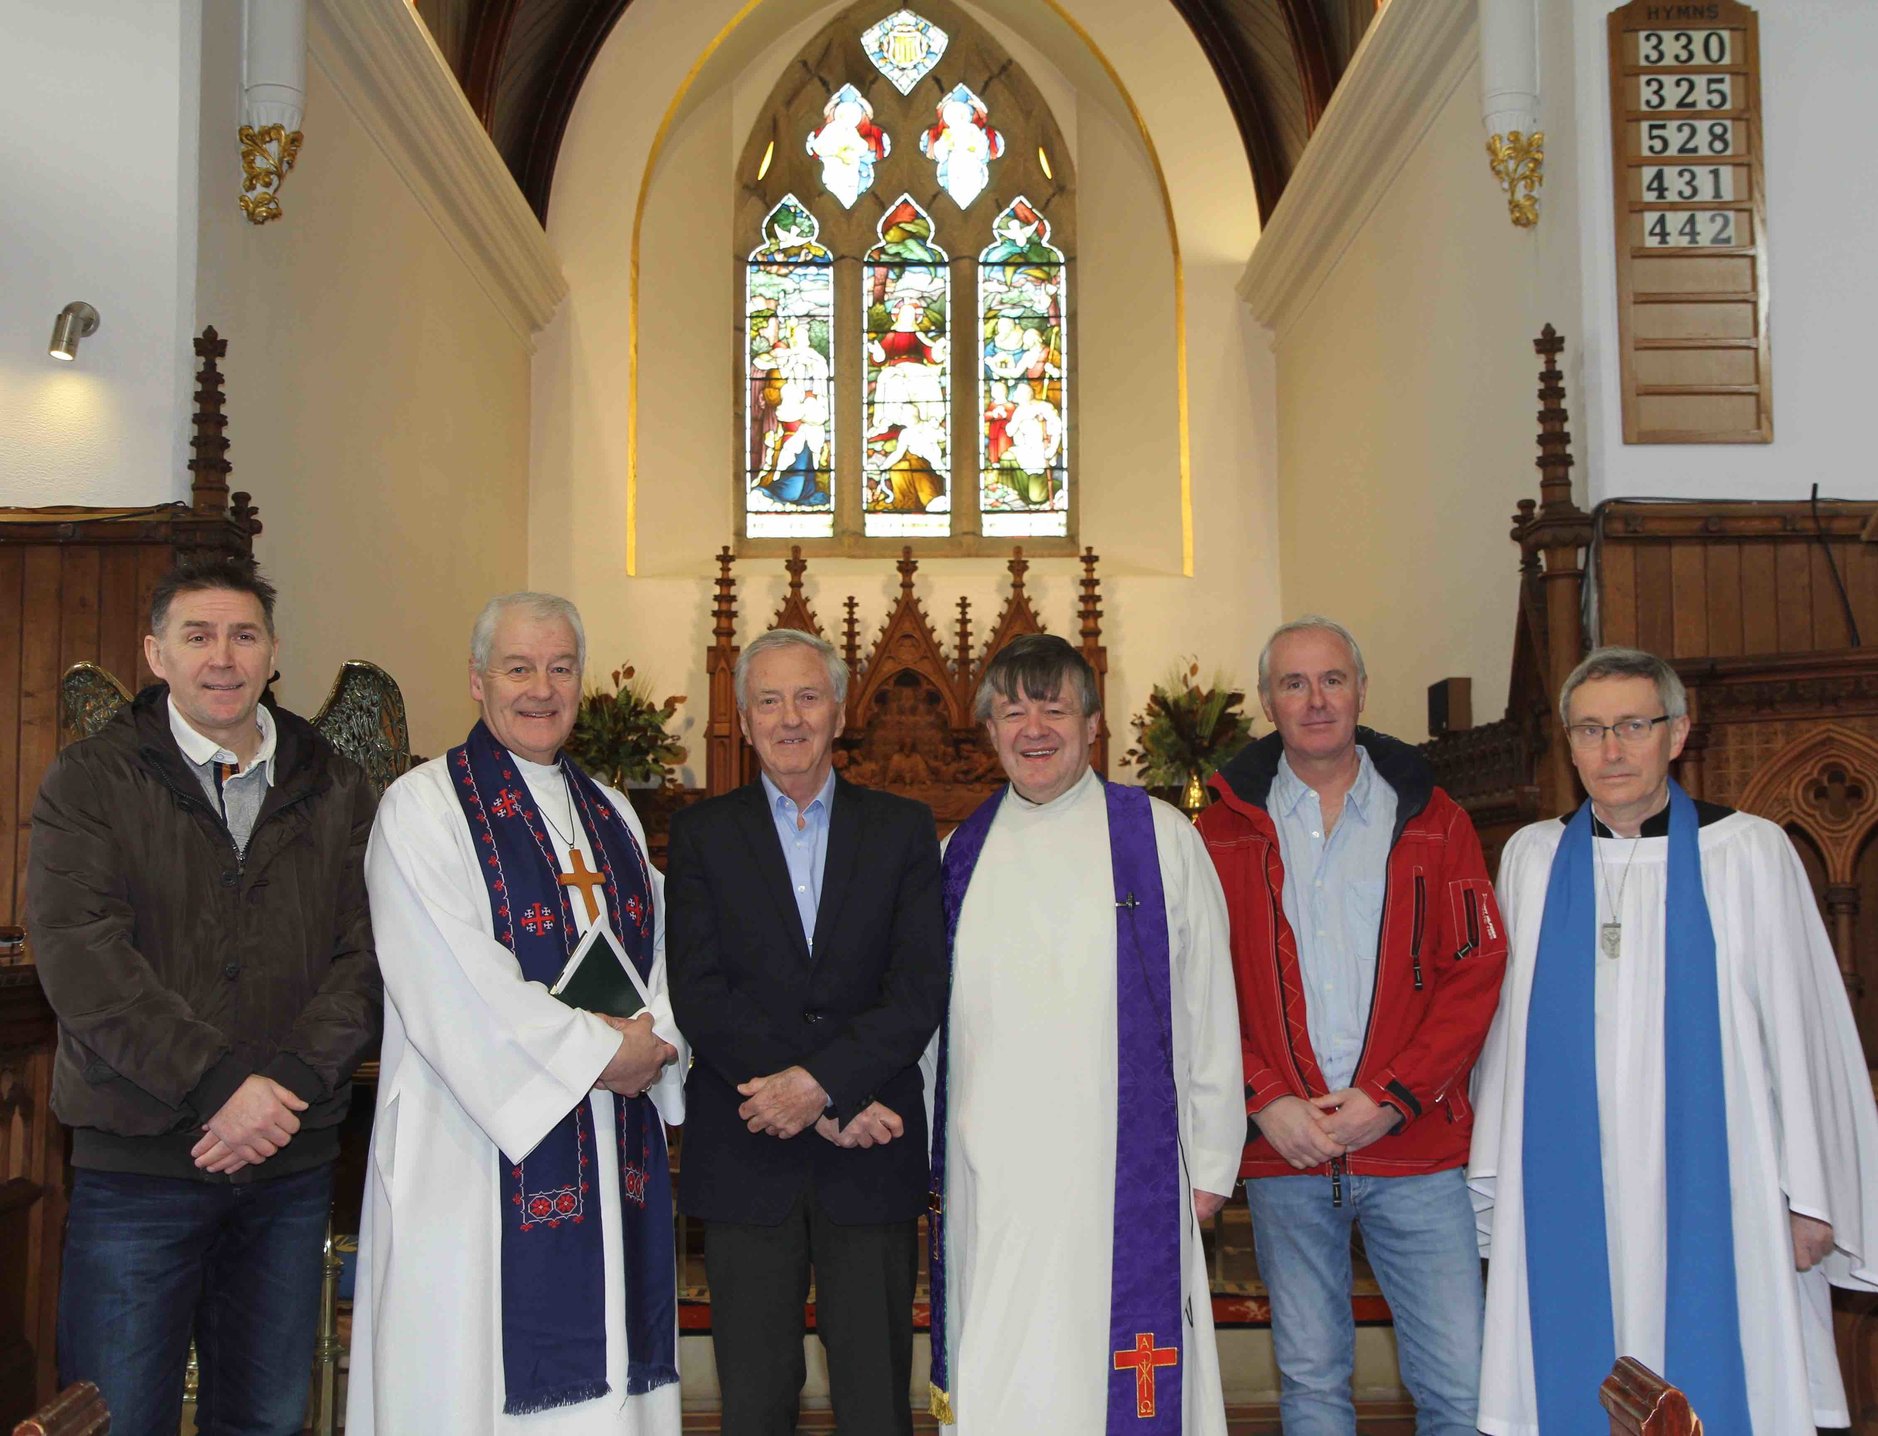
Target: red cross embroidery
{"type": "Point", "coordinates": [1144, 1357]}
{"type": "Point", "coordinates": [634, 910]}
{"type": "Point", "coordinates": [635, 1186]}
{"type": "Point", "coordinates": [537, 920]}
{"type": "Point", "coordinates": [507, 804]}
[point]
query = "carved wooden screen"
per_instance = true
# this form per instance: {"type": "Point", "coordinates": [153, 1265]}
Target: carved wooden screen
{"type": "Point", "coordinates": [909, 712]}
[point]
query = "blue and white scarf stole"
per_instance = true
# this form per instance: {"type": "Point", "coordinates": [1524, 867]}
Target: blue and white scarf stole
{"type": "Point", "coordinates": [1145, 1322]}
{"type": "Point", "coordinates": [1567, 1254]}
{"type": "Point", "coordinates": [553, 1259]}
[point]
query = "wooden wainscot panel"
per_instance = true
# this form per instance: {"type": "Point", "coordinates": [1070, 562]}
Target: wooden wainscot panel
{"type": "Point", "coordinates": [32, 1193]}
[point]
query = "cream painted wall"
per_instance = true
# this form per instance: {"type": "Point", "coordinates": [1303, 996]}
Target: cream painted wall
{"type": "Point", "coordinates": [98, 104]}
{"type": "Point", "coordinates": [378, 406]}
{"type": "Point", "coordinates": [1816, 66]}
{"type": "Point", "coordinates": [1405, 401]}
{"type": "Point", "coordinates": [1129, 440]}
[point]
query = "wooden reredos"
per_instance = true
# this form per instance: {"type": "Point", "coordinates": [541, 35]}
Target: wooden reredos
{"type": "Point", "coordinates": [909, 711]}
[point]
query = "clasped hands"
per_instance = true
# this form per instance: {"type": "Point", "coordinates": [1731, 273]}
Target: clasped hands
{"type": "Point", "coordinates": [642, 1055]}
{"type": "Point", "coordinates": [789, 1102]}
{"type": "Point", "coordinates": [1309, 1132]}
{"type": "Point", "coordinates": [251, 1126]}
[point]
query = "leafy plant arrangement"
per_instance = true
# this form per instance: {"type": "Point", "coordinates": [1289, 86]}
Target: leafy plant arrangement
{"type": "Point", "coordinates": [620, 737]}
{"type": "Point", "coordinates": [1187, 731]}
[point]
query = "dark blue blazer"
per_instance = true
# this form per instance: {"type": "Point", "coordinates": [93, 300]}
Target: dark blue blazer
{"type": "Point", "coordinates": [751, 1000]}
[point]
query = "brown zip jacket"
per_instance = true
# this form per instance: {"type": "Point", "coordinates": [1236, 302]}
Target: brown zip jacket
{"type": "Point", "coordinates": [178, 967]}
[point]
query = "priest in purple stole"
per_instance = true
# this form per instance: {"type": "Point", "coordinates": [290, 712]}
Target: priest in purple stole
{"type": "Point", "coordinates": [516, 1264]}
{"type": "Point", "coordinates": [1089, 1107]}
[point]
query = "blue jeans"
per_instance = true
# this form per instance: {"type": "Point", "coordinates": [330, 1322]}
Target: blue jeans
{"type": "Point", "coordinates": [1419, 1234]}
{"type": "Point", "coordinates": [151, 1260]}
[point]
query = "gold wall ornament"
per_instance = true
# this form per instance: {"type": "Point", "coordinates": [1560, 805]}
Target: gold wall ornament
{"type": "Point", "coordinates": [1518, 162]}
{"type": "Point", "coordinates": [267, 154]}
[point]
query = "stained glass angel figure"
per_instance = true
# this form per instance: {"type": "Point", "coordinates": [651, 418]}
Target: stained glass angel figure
{"type": "Point", "coordinates": [962, 145]}
{"type": "Point", "coordinates": [848, 143]}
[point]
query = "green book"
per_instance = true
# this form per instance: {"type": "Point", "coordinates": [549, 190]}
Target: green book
{"type": "Point", "coordinates": [600, 978]}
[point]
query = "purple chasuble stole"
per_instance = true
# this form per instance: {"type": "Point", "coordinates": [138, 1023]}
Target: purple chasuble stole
{"type": "Point", "coordinates": [553, 1257]}
{"type": "Point", "coordinates": [1145, 1310]}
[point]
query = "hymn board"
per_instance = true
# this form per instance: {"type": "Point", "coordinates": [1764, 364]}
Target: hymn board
{"type": "Point", "coordinates": [1691, 223]}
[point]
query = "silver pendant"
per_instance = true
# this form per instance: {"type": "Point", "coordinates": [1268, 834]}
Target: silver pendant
{"type": "Point", "coordinates": [1611, 938]}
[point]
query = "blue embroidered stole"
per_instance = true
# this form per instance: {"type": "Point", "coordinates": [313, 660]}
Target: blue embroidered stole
{"type": "Point", "coordinates": [553, 1258]}
{"type": "Point", "coordinates": [1145, 1309]}
{"type": "Point", "coordinates": [1567, 1254]}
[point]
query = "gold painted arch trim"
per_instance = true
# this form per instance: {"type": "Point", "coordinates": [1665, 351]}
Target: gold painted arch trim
{"type": "Point", "coordinates": [657, 147]}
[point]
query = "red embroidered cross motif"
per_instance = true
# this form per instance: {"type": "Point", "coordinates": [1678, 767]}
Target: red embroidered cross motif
{"type": "Point", "coordinates": [1144, 1357]}
{"type": "Point", "coordinates": [507, 804]}
{"type": "Point", "coordinates": [635, 1181]}
{"type": "Point", "coordinates": [537, 920]}
{"type": "Point", "coordinates": [635, 910]}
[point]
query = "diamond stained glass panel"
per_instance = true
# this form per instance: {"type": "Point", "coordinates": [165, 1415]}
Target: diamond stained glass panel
{"type": "Point", "coordinates": [906, 405]}
{"type": "Point", "coordinates": [1023, 379]}
{"type": "Point", "coordinates": [904, 47]}
{"type": "Point", "coordinates": [789, 314]}
{"type": "Point", "coordinates": [962, 145]}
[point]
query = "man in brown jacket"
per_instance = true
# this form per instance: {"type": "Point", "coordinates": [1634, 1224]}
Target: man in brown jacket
{"type": "Point", "coordinates": [196, 905]}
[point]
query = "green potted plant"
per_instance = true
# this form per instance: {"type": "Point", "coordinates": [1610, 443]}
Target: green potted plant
{"type": "Point", "coordinates": [1186, 733]}
{"type": "Point", "coordinates": [620, 737]}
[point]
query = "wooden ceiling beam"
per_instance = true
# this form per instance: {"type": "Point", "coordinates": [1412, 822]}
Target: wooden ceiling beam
{"type": "Point", "coordinates": [597, 19]}
{"type": "Point", "coordinates": [482, 69]}
{"type": "Point", "coordinates": [1310, 45]}
{"type": "Point", "coordinates": [1233, 68]}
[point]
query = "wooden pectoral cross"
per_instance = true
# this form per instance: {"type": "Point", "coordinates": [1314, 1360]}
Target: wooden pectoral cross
{"type": "Point", "coordinates": [1144, 1356]}
{"type": "Point", "coordinates": [586, 881]}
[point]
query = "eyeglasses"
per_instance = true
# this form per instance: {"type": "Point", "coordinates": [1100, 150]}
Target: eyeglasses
{"type": "Point", "coordinates": [1629, 731]}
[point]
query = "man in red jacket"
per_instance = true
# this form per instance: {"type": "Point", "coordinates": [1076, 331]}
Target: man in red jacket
{"type": "Point", "coordinates": [1367, 952]}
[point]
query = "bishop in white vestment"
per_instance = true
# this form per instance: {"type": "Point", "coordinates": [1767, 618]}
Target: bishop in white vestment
{"type": "Point", "coordinates": [479, 1065]}
{"type": "Point", "coordinates": [1801, 1136]}
{"type": "Point", "coordinates": [1034, 1146]}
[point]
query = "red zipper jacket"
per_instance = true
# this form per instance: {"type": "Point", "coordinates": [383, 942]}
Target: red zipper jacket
{"type": "Point", "coordinates": [1439, 961]}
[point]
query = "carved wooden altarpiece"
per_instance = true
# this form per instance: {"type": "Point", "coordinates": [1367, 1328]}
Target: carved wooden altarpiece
{"type": "Point", "coordinates": [909, 712]}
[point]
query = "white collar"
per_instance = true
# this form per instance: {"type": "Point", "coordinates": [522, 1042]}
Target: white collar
{"type": "Point", "coordinates": [200, 750]}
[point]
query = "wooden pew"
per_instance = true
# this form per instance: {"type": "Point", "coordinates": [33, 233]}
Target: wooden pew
{"type": "Point", "coordinates": [76, 1411]}
{"type": "Point", "coordinates": [1641, 1403]}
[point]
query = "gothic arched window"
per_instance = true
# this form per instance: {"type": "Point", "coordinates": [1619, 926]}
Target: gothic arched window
{"type": "Point", "coordinates": [907, 213]}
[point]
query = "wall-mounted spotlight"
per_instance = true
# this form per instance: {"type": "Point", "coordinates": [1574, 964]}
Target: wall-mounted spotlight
{"type": "Point", "coordinates": [78, 320]}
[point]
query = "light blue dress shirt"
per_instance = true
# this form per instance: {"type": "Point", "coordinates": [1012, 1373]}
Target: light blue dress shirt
{"type": "Point", "coordinates": [1333, 901]}
{"type": "Point", "coordinates": [804, 846]}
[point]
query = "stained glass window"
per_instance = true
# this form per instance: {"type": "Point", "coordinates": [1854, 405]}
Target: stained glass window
{"type": "Point", "coordinates": [904, 47]}
{"type": "Point", "coordinates": [906, 407]}
{"type": "Point", "coordinates": [789, 312]}
{"type": "Point", "coordinates": [962, 144]}
{"type": "Point", "coordinates": [1023, 439]}
{"type": "Point", "coordinates": [848, 143]}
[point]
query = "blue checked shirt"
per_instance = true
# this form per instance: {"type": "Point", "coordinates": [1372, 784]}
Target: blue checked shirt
{"type": "Point", "coordinates": [1333, 901]}
{"type": "Point", "coordinates": [805, 847]}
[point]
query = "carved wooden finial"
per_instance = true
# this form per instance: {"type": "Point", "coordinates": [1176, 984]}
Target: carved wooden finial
{"type": "Point", "coordinates": [209, 469]}
{"type": "Point", "coordinates": [724, 604]}
{"type": "Point", "coordinates": [797, 566]}
{"type": "Point", "coordinates": [962, 656]}
{"type": "Point", "coordinates": [1555, 460]}
{"type": "Point", "coordinates": [851, 648]}
{"type": "Point", "coordinates": [1091, 604]}
{"type": "Point", "coordinates": [908, 566]}
{"type": "Point", "coordinates": [1017, 566]}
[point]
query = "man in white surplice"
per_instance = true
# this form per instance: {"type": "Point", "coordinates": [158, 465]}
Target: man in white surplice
{"type": "Point", "coordinates": [478, 1061]}
{"type": "Point", "coordinates": [1031, 1121]}
{"type": "Point", "coordinates": [1801, 1136]}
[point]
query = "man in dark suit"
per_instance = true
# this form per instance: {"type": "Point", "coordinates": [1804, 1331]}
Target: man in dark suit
{"type": "Point", "coordinates": [806, 956]}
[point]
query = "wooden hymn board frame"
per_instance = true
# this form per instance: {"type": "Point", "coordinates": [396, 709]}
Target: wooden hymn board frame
{"type": "Point", "coordinates": [1691, 223]}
